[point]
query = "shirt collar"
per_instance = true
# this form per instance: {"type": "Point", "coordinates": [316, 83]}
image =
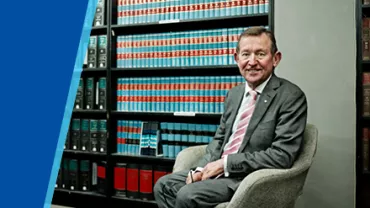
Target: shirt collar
{"type": "Point", "coordinates": [259, 88]}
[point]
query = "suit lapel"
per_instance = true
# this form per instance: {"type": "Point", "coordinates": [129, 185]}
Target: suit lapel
{"type": "Point", "coordinates": [262, 105]}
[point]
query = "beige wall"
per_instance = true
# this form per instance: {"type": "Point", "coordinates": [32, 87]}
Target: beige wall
{"type": "Point", "coordinates": [317, 39]}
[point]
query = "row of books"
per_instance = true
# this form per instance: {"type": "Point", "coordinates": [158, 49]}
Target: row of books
{"type": "Point", "coordinates": [160, 139]}
{"type": "Point", "coordinates": [145, 11]}
{"type": "Point", "coordinates": [97, 51]}
{"type": "Point", "coordinates": [175, 94]}
{"type": "Point", "coordinates": [137, 180]}
{"type": "Point", "coordinates": [91, 93]}
{"type": "Point", "coordinates": [129, 136]}
{"type": "Point", "coordinates": [81, 175]}
{"type": "Point", "coordinates": [178, 49]}
{"type": "Point", "coordinates": [88, 135]}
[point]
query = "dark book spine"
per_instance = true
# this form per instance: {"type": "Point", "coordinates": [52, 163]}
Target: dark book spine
{"type": "Point", "coordinates": [146, 182]}
{"type": "Point", "coordinates": [93, 135]}
{"type": "Point", "coordinates": [120, 179]}
{"type": "Point", "coordinates": [101, 173]}
{"type": "Point", "coordinates": [65, 176]}
{"type": "Point", "coordinates": [99, 17]}
{"type": "Point", "coordinates": [59, 181]}
{"type": "Point", "coordinates": [85, 135]}
{"type": "Point", "coordinates": [102, 129]}
{"type": "Point", "coordinates": [92, 52]}
{"type": "Point", "coordinates": [102, 93]}
{"type": "Point", "coordinates": [76, 134]}
{"type": "Point", "coordinates": [133, 180]}
{"type": "Point", "coordinates": [102, 52]}
{"type": "Point", "coordinates": [67, 142]}
{"type": "Point", "coordinates": [73, 174]}
{"type": "Point", "coordinates": [85, 175]}
{"type": "Point", "coordinates": [90, 93]}
{"type": "Point", "coordinates": [80, 95]}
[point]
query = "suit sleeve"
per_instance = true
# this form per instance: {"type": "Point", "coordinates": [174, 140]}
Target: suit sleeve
{"type": "Point", "coordinates": [214, 147]}
{"type": "Point", "coordinates": [289, 131]}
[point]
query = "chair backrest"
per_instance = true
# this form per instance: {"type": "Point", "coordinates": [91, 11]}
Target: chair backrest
{"type": "Point", "coordinates": [309, 147]}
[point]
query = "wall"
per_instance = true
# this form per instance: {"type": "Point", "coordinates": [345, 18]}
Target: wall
{"type": "Point", "coordinates": [317, 39]}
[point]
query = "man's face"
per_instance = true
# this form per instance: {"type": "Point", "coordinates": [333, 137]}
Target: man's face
{"type": "Point", "coordinates": [255, 60]}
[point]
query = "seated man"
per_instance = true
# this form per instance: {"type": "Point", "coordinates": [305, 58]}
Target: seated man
{"type": "Point", "coordinates": [262, 127]}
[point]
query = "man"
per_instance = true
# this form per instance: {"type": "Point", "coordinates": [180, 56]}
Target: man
{"type": "Point", "coordinates": [262, 127]}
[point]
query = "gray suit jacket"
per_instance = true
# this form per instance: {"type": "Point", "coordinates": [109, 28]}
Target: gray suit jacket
{"type": "Point", "coordinates": [274, 135]}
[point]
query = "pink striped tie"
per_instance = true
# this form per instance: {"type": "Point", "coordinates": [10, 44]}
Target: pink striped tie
{"type": "Point", "coordinates": [238, 136]}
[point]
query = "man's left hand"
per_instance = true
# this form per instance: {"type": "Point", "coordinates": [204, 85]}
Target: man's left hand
{"type": "Point", "coordinates": [213, 169]}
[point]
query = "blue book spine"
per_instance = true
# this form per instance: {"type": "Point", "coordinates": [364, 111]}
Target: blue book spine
{"type": "Point", "coordinates": [123, 136]}
{"type": "Point", "coordinates": [160, 49]}
{"type": "Point", "coordinates": [218, 40]}
{"type": "Point", "coordinates": [137, 52]}
{"type": "Point", "coordinates": [197, 48]}
{"type": "Point", "coordinates": [119, 12]}
{"type": "Point", "coordinates": [267, 5]}
{"type": "Point", "coordinates": [212, 103]}
{"type": "Point", "coordinates": [191, 48]}
{"type": "Point", "coordinates": [138, 94]}
{"type": "Point", "coordinates": [206, 8]}
{"type": "Point", "coordinates": [207, 47]}
{"type": "Point", "coordinates": [244, 7]}
{"type": "Point", "coordinates": [169, 50]}
{"type": "Point", "coordinates": [201, 94]}
{"type": "Point", "coordinates": [184, 127]}
{"type": "Point", "coordinates": [119, 94]}
{"type": "Point", "coordinates": [255, 6]}
{"type": "Point", "coordinates": [261, 6]}
{"type": "Point", "coordinates": [170, 10]}
{"type": "Point", "coordinates": [177, 48]}
{"type": "Point", "coordinates": [187, 48]}
{"type": "Point", "coordinates": [156, 50]}
{"type": "Point", "coordinates": [140, 10]}
{"type": "Point", "coordinates": [142, 95]}
{"type": "Point", "coordinates": [191, 128]}
{"type": "Point", "coordinates": [121, 52]}
{"type": "Point", "coordinates": [163, 42]}
{"type": "Point", "coordinates": [165, 150]}
{"type": "Point", "coordinates": [125, 12]}
{"type": "Point", "coordinates": [177, 94]}
{"type": "Point", "coordinates": [158, 94]}
{"type": "Point", "coordinates": [194, 88]}
{"type": "Point", "coordinates": [217, 8]}
{"type": "Point", "coordinates": [123, 102]}
{"type": "Point", "coordinates": [205, 130]}
{"type": "Point", "coordinates": [249, 6]}
{"type": "Point", "coordinates": [224, 46]}
{"type": "Point", "coordinates": [217, 94]}
{"type": "Point", "coordinates": [119, 137]}
{"type": "Point", "coordinates": [172, 93]}
{"type": "Point", "coordinates": [200, 48]}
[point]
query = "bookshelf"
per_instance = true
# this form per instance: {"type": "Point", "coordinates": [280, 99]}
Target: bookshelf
{"type": "Point", "coordinates": [363, 121]}
{"type": "Point", "coordinates": [113, 73]}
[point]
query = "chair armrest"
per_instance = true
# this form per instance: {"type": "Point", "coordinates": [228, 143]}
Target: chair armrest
{"type": "Point", "coordinates": [269, 188]}
{"type": "Point", "coordinates": [188, 157]}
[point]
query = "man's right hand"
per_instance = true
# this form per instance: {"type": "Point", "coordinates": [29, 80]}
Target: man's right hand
{"type": "Point", "coordinates": [196, 177]}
